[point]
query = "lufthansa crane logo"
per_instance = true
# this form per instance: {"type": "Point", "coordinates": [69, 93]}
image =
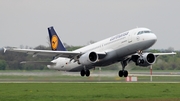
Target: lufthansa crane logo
{"type": "Point", "coordinates": [54, 42]}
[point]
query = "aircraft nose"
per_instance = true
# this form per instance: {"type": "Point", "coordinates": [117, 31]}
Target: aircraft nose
{"type": "Point", "coordinates": [152, 37]}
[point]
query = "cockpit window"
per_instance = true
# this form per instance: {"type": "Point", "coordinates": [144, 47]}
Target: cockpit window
{"type": "Point", "coordinates": [146, 31]}
{"type": "Point", "coordinates": [142, 32]}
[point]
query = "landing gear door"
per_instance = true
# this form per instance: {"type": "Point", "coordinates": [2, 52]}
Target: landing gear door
{"type": "Point", "coordinates": [129, 37]}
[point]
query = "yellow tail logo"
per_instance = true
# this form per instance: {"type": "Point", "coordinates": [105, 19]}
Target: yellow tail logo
{"type": "Point", "coordinates": [54, 42]}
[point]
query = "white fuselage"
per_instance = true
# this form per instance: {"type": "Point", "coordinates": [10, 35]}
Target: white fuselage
{"type": "Point", "coordinates": [117, 48]}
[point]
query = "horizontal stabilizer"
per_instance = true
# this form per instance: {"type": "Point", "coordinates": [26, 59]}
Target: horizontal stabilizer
{"type": "Point", "coordinates": [37, 62]}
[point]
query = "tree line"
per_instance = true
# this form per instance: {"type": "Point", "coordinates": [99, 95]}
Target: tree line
{"type": "Point", "coordinates": [11, 61]}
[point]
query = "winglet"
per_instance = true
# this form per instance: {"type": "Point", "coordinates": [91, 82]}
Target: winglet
{"type": "Point", "coordinates": [55, 41]}
{"type": "Point", "coordinates": [4, 49]}
{"type": "Point", "coordinates": [8, 49]}
{"type": "Point", "coordinates": [174, 53]}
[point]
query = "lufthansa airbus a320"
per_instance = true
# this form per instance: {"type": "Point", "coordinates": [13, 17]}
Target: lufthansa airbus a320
{"type": "Point", "coordinates": [124, 47]}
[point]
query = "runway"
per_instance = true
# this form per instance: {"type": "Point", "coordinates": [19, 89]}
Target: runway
{"type": "Point", "coordinates": [96, 77]}
{"type": "Point", "coordinates": [93, 73]}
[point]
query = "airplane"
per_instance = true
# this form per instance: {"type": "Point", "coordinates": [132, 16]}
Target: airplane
{"type": "Point", "coordinates": [124, 47]}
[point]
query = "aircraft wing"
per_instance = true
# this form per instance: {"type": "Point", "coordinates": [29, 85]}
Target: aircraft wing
{"type": "Point", "coordinates": [67, 54]}
{"type": "Point", "coordinates": [158, 54]}
{"type": "Point", "coordinates": [135, 56]}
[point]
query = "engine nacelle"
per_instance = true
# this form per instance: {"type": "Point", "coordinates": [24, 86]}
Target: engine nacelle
{"type": "Point", "coordinates": [146, 59]}
{"type": "Point", "coordinates": [88, 58]}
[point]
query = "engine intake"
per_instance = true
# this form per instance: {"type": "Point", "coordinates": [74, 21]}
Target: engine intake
{"type": "Point", "coordinates": [93, 56]}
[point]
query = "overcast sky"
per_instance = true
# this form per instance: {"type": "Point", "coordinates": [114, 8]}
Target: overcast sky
{"type": "Point", "coordinates": [25, 22]}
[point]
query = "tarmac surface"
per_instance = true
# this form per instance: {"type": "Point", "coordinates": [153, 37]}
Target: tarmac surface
{"type": "Point", "coordinates": [96, 73]}
{"type": "Point", "coordinates": [96, 77]}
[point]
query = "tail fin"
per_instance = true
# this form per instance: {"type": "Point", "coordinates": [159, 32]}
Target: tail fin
{"type": "Point", "coordinates": [55, 42]}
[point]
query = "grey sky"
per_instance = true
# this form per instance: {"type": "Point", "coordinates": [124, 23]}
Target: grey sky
{"type": "Point", "coordinates": [25, 22]}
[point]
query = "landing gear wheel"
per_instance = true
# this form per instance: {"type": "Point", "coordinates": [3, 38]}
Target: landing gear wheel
{"type": "Point", "coordinates": [87, 73]}
{"type": "Point", "coordinates": [125, 73]}
{"type": "Point", "coordinates": [82, 72]}
{"type": "Point", "coordinates": [120, 73]}
{"type": "Point", "coordinates": [139, 61]}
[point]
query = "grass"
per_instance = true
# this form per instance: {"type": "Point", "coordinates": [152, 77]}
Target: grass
{"type": "Point", "coordinates": [89, 91]}
{"type": "Point", "coordinates": [10, 90]}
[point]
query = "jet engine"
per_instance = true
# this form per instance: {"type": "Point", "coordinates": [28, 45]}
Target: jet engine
{"type": "Point", "coordinates": [146, 59]}
{"type": "Point", "coordinates": [88, 58]}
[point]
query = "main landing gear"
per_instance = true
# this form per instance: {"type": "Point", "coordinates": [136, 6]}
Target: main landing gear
{"type": "Point", "coordinates": [123, 72]}
{"type": "Point", "coordinates": [85, 72]}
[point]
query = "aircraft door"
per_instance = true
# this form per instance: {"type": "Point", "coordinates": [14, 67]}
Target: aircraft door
{"type": "Point", "coordinates": [130, 38]}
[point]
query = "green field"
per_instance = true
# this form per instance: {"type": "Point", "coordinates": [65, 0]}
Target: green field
{"type": "Point", "coordinates": [89, 92]}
